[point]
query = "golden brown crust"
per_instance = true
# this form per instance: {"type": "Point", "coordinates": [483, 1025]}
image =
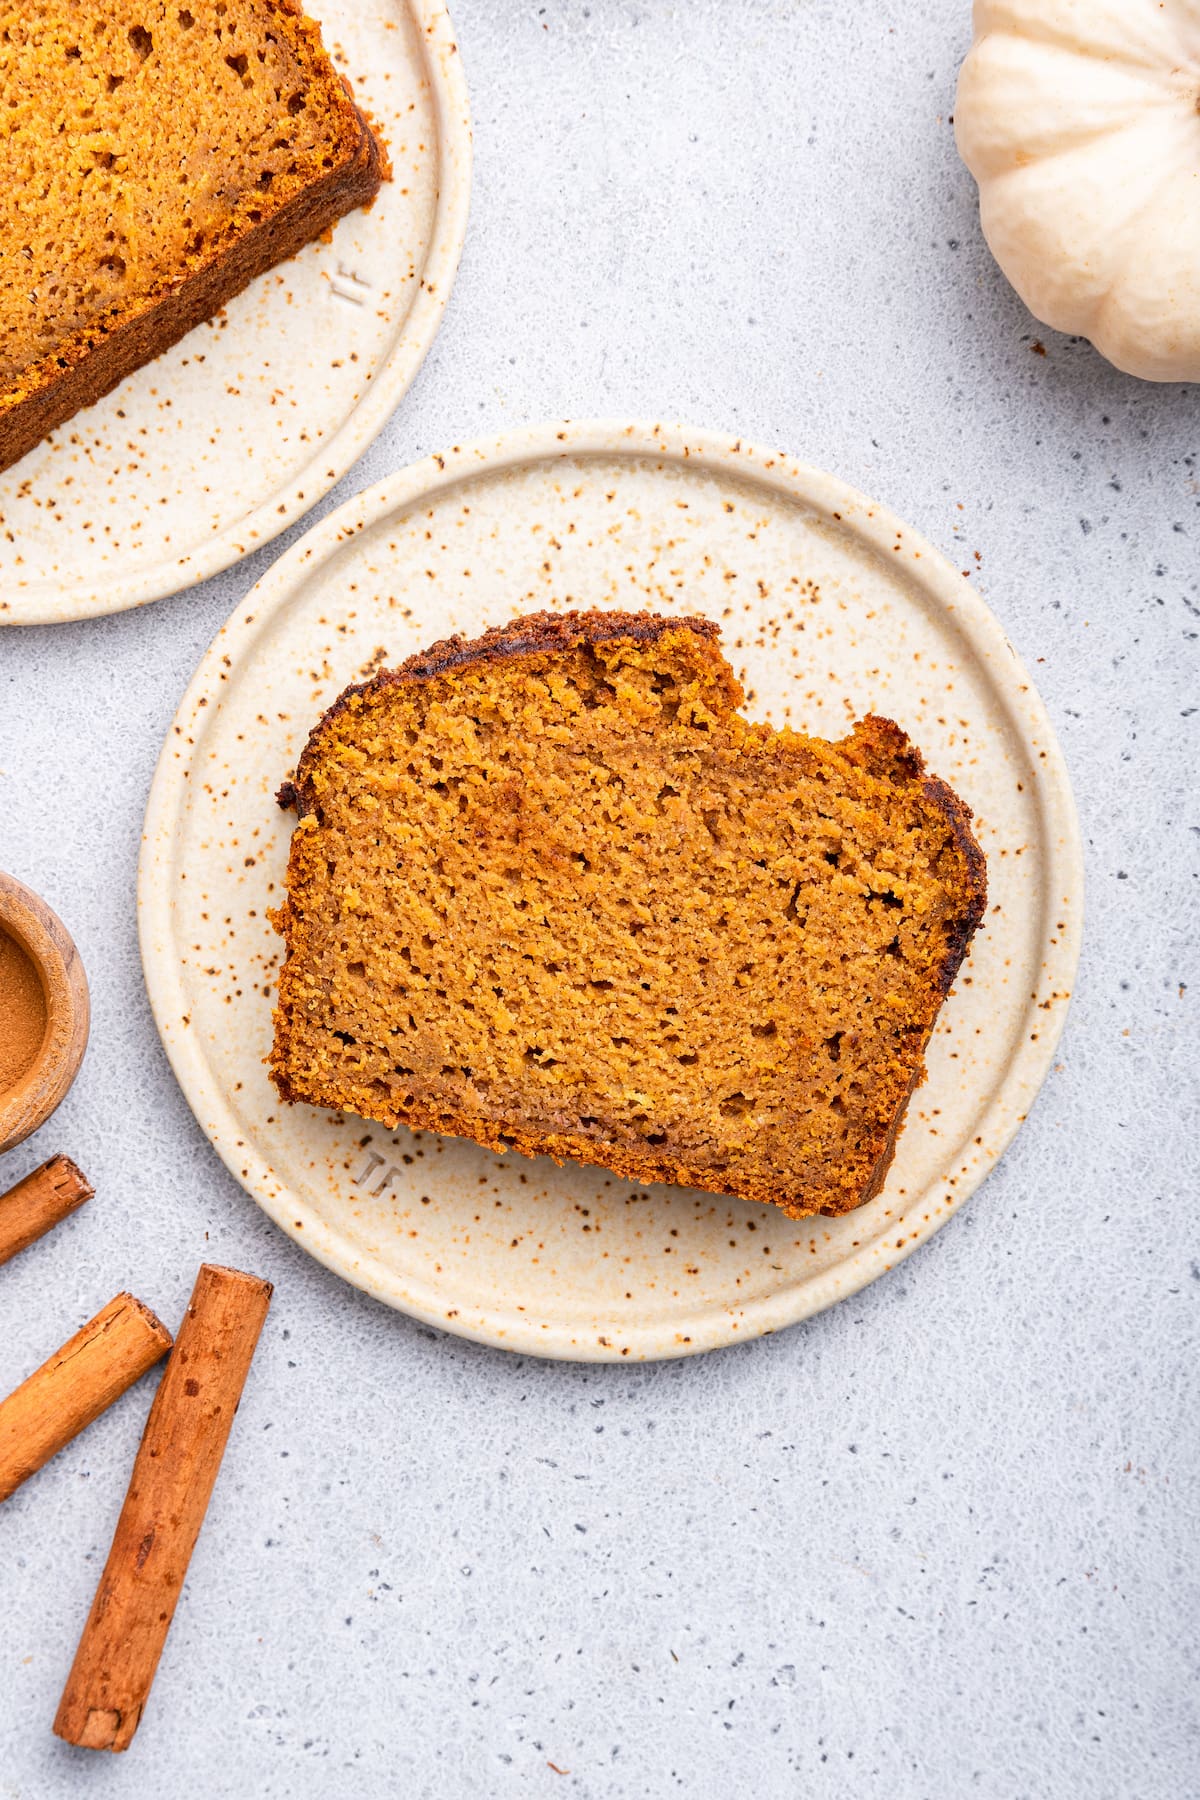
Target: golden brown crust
{"type": "Point", "coordinates": [877, 746]}
{"type": "Point", "coordinates": [101, 355]}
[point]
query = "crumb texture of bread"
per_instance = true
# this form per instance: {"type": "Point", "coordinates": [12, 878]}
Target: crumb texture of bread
{"type": "Point", "coordinates": [549, 890]}
{"type": "Point", "coordinates": [155, 158]}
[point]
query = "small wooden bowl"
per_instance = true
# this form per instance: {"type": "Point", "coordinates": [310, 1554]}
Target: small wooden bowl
{"type": "Point", "coordinates": [47, 942]}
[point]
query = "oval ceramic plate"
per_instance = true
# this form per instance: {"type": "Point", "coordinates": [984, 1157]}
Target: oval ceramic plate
{"type": "Point", "coordinates": [829, 608]}
{"type": "Point", "coordinates": [214, 447]}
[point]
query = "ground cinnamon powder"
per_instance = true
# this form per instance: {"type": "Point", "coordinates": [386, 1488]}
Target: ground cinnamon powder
{"type": "Point", "coordinates": [22, 1011]}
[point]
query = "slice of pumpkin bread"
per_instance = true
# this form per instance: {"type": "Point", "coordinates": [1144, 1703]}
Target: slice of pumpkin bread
{"type": "Point", "coordinates": [549, 891]}
{"type": "Point", "coordinates": [155, 157]}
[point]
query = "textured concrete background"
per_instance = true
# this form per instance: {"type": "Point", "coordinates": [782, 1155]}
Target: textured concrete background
{"type": "Point", "coordinates": [934, 1543]}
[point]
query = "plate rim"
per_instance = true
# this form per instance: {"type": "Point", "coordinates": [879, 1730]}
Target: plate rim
{"type": "Point", "coordinates": [827, 495]}
{"type": "Point", "coordinates": [54, 602]}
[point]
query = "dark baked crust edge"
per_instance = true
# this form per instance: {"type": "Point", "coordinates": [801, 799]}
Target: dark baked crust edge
{"type": "Point", "coordinates": [530, 634]}
{"type": "Point", "coordinates": [95, 369]}
{"type": "Point", "coordinates": [958, 817]}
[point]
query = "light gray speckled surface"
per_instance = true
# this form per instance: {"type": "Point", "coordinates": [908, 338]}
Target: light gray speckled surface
{"type": "Point", "coordinates": [935, 1543]}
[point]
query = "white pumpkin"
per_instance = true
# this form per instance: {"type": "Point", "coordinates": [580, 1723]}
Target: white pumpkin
{"type": "Point", "coordinates": [1080, 120]}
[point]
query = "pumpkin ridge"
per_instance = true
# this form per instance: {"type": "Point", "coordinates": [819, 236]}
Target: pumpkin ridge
{"type": "Point", "coordinates": [1065, 35]}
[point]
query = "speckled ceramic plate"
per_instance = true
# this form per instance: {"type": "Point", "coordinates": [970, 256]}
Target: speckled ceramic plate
{"type": "Point", "coordinates": [829, 607]}
{"type": "Point", "coordinates": [218, 444]}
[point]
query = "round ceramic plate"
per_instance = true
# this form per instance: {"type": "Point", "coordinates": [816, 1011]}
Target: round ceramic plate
{"type": "Point", "coordinates": [829, 608]}
{"type": "Point", "coordinates": [214, 447]}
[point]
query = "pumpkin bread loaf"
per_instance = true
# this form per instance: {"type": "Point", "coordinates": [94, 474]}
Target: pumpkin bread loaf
{"type": "Point", "coordinates": [155, 157]}
{"type": "Point", "coordinates": [549, 891]}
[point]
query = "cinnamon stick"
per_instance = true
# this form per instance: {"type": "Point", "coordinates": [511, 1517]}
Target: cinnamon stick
{"type": "Point", "coordinates": [89, 1372]}
{"type": "Point", "coordinates": [43, 1199]}
{"type": "Point", "coordinates": [169, 1490]}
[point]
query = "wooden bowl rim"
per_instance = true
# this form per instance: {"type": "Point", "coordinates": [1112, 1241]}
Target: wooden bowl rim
{"type": "Point", "coordinates": [25, 916]}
